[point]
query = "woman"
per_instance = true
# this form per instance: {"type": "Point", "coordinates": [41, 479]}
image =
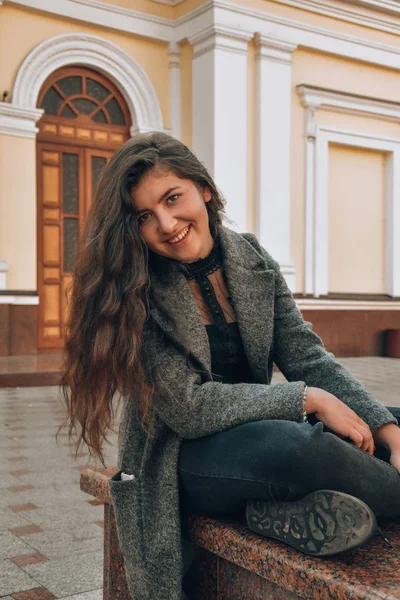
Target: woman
{"type": "Point", "coordinates": [183, 318]}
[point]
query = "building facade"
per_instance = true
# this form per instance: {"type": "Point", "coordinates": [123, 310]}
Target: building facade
{"type": "Point", "coordinates": [293, 105]}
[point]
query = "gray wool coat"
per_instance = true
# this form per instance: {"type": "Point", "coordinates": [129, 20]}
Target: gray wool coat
{"type": "Point", "coordinates": [273, 330]}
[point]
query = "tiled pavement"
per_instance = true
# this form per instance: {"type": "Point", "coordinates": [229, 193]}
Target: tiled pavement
{"type": "Point", "coordinates": [50, 532]}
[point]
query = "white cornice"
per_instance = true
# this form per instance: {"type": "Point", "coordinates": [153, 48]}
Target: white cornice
{"type": "Point", "coordinates": [103, 14]}
{"type": "Point", "coordinates": [19, 120]}
{"type": "Point", "coordinates": [385, 6]}
{"type": "Point", "coordinates": [349, 103]}
{"type": "Point", "coordinates": [318, 304]}
{"type": "Point", "coordinates": [345, 10]}
{"type": "Point", "coordinates": [307, 35]}
{"type": "Point", "coordinates": [16, 299]}
{"type": "Point", "coordinates": [217, 36]}
{"type": "Point", "coordinates": [273, 49]}
{"type": "Point", "coordinates": [226, 14]}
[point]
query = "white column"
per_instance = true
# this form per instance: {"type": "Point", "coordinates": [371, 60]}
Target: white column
{"type": "Point", "coordinates": [3, 274]}
{"type": "Point", "coordinates": [175, 89]}
{"type": "Point", "coordinates": [219, 136]}
{"type": "Point", "coordinates": [273, 129]}
{"type": "Point", "coordinates": [392, 221]}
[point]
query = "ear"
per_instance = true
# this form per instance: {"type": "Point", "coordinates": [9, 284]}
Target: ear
{"type": "Point", "coordinates": [207, 194]}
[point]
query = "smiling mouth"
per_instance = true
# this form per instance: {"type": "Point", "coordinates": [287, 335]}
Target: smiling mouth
{"type": "Point", "coordinates": [181, 236]}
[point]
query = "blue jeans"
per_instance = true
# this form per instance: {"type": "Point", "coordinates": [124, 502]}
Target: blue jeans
{"type": "Point", "coordinates": [281, 460]}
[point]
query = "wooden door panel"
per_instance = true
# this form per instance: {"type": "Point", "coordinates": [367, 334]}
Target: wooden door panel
{"type": "Point", "coordinates": [51, 301]}
{"type": "Point", "coordinates": [61, 201]}
{"type": "Point", "coordinates": [51, 245]}
{"type": "Point", "coordinates": [67, 179]}
{"type": "Point", "coordinates": [51, 185]}
{"type": "Point", "coordinates": [51, 214]}
{"type": "Point", "coordinates": [51, 275]}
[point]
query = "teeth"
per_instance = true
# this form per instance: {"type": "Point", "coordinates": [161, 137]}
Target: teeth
{"type": "Point", "coordinates": [179, 237]}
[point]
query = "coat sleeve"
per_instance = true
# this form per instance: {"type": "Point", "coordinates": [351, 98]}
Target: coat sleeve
{"type": "Point", "coordinates": [194, 409]}
{"type": "Point", "coordinates": [300, 354]}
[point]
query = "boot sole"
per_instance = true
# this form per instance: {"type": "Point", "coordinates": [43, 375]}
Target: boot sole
{"type": "Point", "coordinates": [322, 523]}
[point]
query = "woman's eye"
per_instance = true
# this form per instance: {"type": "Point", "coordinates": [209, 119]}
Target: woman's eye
{"type": "Point", "coordinates": [175, 196]}
{"type": "Point", "coordinates": [141, 219]}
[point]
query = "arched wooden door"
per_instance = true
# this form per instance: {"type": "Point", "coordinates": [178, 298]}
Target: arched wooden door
{"type": "Point", "coordinates": [86, 119]}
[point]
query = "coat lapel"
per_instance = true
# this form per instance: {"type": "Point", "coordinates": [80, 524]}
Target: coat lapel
{"type": "Point", "coordinates": [251, 287]}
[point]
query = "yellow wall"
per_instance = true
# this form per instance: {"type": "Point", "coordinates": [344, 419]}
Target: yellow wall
{"type": "Point", "coordinates": [18, 211]}
{"type": "Point", "coordinates": [22, 30]}
{"type": "Point", "coordinates": [356, 220]}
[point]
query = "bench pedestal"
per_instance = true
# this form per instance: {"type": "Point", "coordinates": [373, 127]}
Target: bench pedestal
{"type": "Point", "coordinates": [232, 563]}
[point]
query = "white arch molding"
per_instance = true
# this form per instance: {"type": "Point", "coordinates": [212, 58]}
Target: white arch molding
{"type": "Point", "coordinates": [82, 49]}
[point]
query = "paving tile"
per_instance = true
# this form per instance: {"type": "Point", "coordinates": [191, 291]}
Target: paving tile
{"type": "Point", "coordinates": [55, 575]}
{"type": "Point", "coordinates": [13, 578]}
{"type": "Point", "coordinates": [23, 507]}
{"type": "Point", "coordinates": [26, 530]}
{"type": "Point", "coordinates": [28, 559]}
{"type": "Point", "coordinates": [55, 518]}
{"type": "Point", "coordinates": [17, 458]}
{"type": "Point", "coordinates": [39, 593]}
{"type": "Point", "coordinates": [11, 545]}
{"type": "Point", "coordinates": [7, 480]}
{"type": "Point", "coordinates": [20, 472]}
{"type": "Point", "coordinates": [20, 488]}
{"type": "Point", "coordinates": [60, 543]}
{"type": "Point", "coordinates": [94, 595]}
{"type": "Point", "coordinates": [9, 519]}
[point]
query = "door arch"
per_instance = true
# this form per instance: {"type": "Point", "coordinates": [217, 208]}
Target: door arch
{"type": "Point", "coordinates": [85, 120]}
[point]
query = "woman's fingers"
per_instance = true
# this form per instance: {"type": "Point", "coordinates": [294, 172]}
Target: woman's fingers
{"type": "Point", "coordinates": [364, 440]}
{"type": "Point", "coordinates": [356, 436]}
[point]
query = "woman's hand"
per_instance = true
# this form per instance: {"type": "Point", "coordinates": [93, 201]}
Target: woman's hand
{"type": "Point", "coordinates": [389, 435]}
{"type": "Point", "coordinates": [395, 459]}
{"type": "Point", "coordinates": [336, 415]}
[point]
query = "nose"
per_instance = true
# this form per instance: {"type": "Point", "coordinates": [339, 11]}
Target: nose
{"type": "Point", "coordinates": [167, 224]}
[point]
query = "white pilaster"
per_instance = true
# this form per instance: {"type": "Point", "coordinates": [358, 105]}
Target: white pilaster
{"type": "Point", "coordinates": [3, 274]}
{"type": "Point", "coordinates": [310, 275]}
{"type": "Point", "coordinates": [18, 120]}
{"type": "Point", "coordinates": [273, 118]}
{"type": "Point", "coordinates": [392, 220]}
{"type": "Point", "coordinates": [220, 113]}
{"type": "Point", "coordinates": [175, 90]}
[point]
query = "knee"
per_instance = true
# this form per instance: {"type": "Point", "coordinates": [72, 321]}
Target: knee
{"type": "Point", "coordinates": [285, 446]}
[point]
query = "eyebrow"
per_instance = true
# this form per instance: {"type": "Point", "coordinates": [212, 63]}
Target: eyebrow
{"type": "Point", "coordinates": [167, 193]}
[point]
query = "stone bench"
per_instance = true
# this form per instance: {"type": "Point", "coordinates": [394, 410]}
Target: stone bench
{"type": "Point", "coordinates": [232, 562]}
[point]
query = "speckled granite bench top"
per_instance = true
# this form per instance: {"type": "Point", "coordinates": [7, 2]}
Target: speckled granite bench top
{"type": "Point", "coordinates": [371, 572]}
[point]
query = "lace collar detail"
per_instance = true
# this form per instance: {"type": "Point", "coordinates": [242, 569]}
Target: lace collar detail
{"type": "Point", "coordinates": [204, 266]}
{"type": "Point", "coordinates": [195, 270]}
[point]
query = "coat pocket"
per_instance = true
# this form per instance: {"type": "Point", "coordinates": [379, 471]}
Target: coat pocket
{"type": "Point", "coordinates": [127, 503]}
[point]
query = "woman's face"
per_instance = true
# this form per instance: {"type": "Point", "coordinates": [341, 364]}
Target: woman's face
{"type": "Point", "coordinates": [172, 215]}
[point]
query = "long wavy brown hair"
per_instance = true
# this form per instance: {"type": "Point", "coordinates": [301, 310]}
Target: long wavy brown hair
{"type": "Point", "coordinates": [110, 294]}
